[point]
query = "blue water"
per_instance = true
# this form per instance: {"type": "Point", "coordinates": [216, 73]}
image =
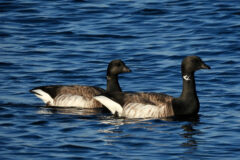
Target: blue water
{"type": "Point", "coordinates": [71, 42]}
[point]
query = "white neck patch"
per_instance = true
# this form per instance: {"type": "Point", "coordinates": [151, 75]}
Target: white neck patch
{"type": "Point", "coordinates": [186, 77]}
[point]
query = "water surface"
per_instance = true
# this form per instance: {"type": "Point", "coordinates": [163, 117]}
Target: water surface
{"type": "Point", "coordinates": [72, 41]}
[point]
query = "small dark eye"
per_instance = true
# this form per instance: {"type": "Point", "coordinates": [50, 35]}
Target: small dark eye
{"type": "Point", "coordinates": [118, 64]}
{"type": "Point", "coordinates": [195, 61]}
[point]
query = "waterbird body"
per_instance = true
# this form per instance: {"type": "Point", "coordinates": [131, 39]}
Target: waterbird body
{"type": "Point", "coordinates": [158, 105]}
{"type": "Point", "coordinates": [81, 96]}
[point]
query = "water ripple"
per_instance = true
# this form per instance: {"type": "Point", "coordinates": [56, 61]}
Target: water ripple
{"type": "Point", "coordinates": [71, 42]}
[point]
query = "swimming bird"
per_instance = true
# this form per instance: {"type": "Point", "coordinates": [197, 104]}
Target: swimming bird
{"type": "Point", "coordinates": [81, 96]}
{"type": "Point", "coordinates": [158, 105]}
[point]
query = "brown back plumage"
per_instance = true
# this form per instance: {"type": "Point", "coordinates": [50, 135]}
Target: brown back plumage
{"type": "Point", "coordinates": [157, 99]}
{"type": "Point", "coordinates": [155, 105]}
{"type": "Point", "coordinates": [86, 91]}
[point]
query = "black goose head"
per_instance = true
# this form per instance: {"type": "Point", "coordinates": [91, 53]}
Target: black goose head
{"type": "Point", "coordinates": [190, 64]}
{"type": "Point", "coordinates": [116, 67]}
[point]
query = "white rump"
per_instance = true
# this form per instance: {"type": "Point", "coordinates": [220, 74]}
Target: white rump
{"type": "Point", "coordinates": [45, 97]}
{"type": "Point", "coordinates": [110, 104]}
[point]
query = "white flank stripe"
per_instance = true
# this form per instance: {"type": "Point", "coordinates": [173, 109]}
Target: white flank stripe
{"type": "Point", "coordinates": [69, 100]}
{"type": "Point", "coordinates": [110, 104]}
{"type": "Point", "coordinates": [139, 110]}
{"type": "Point", "coordinates": [45, 97]}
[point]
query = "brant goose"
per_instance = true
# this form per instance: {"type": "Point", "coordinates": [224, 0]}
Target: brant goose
{"type": "Point", "coordinates": [81, 96]}
{"type": "Point", "coordinates": [158, 105]}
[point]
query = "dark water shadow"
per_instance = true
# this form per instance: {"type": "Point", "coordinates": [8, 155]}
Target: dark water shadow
{"type": "Point", "coordinates": [72, 111]}
{"type": "Point", "coordinates": [185, 127]}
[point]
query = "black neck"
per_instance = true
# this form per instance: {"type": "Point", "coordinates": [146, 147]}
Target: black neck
{"type": "Point", "coordinates": [189, 87]}
{"type": "Point", "coordinates": [188, 102]}
{"type": "Point", "coordinates": [112, 84]}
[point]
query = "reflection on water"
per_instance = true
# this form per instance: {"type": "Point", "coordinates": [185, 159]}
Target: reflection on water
{"type": "Point", "coordinates": [188, 133]}
{"type": "Point", "coordinates": [120, 129]}
{"type": "Point", "coordinates": [70, 111]}
{"type": "Point", "coordinates": [71, 42]}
